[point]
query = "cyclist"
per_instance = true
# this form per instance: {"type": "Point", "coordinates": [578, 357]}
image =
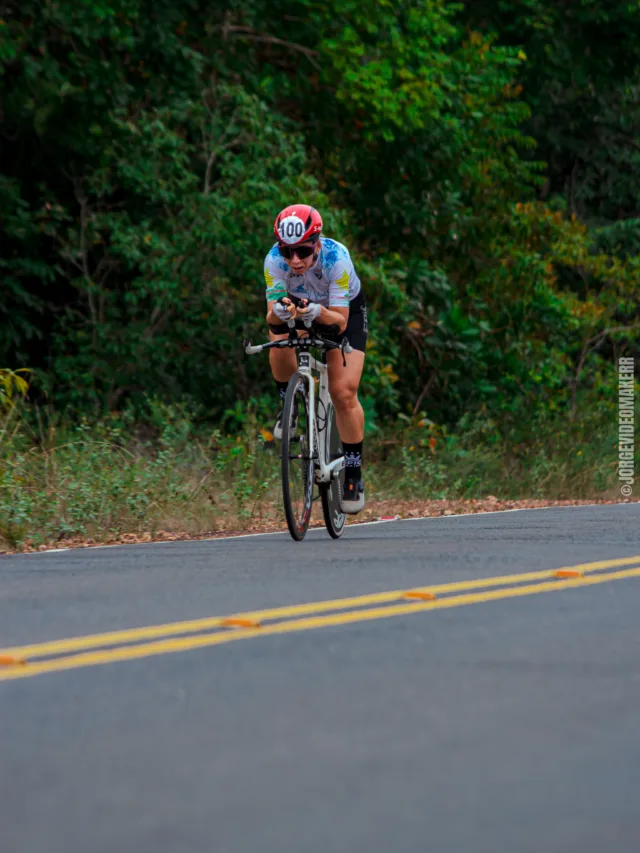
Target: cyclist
{"type": "Point", "coordinates": [309, 267]}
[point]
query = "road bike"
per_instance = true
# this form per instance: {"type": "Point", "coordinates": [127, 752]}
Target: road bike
{"type": "Point", "coordinates": [311, 450]}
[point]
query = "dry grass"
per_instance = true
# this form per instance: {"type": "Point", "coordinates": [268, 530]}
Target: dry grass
{"type": "Point", "coordinates": [112, 482]}
{"type": "Point", "coordinates": [273, 521]}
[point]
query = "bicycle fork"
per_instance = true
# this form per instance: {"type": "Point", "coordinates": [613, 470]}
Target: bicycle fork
{"type": "Point", "coordinates": [325, 470]}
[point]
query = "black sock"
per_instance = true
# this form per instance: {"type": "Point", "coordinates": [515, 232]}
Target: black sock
{"type": "Point", "coordinates": [352, 459]}
{"type": "Point", "coordinates": [282, 388]}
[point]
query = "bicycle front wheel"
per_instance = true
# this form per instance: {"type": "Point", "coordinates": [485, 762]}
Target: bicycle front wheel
{"type": "Point", "coordinates": [297, 461]}
{"type": "Point", "coordinates": [331, 493]}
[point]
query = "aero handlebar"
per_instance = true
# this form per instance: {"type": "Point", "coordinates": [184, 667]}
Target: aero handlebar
{"type": "Point", "coordinates": [300, 343]}
{"type": "Point", "coordinates": [314, 340]}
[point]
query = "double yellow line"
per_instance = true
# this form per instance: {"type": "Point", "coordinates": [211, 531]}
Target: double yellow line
{"type": "Point", "coordinates": [133, 643]}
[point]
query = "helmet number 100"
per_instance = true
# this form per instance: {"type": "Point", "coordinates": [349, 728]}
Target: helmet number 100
{"type": "Point", "coordinates": [291, 229]}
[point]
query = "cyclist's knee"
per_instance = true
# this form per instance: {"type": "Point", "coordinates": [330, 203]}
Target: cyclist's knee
{"type": "Point", "coordinates": [345, 396]}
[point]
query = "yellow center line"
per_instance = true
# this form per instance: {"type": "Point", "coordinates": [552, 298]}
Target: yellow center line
{"type": "Point", "coordinates": [192, 626]}
{"type": "Point", "coordinates": [183, 644]}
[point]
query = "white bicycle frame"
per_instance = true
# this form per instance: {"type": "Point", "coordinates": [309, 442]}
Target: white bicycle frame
{"type": "Point", "coordinates": [325, 471]}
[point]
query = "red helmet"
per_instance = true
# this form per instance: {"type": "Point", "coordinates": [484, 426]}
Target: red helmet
{"type": "Point", "coordinates": [297, 224]}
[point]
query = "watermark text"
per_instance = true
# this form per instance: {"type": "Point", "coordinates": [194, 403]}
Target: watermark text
{"type": "Point", "coordinates": [626, 425]}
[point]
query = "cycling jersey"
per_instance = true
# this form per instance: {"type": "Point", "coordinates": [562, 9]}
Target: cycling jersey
{"type": "Point", "coordinates": [331, 281]}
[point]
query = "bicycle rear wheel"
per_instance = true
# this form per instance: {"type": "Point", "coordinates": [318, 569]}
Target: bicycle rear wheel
{"type": "Point", "coordinates": [331, 493]}
{"type": "Point", "coordinates": [297, 461]}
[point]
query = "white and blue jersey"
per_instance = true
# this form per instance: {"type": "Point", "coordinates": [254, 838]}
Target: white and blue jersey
{"type": "Point", "coordinates": [331, 281]}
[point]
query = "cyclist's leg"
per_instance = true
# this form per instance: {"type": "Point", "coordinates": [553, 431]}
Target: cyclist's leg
{"type": "Point", "coordinates": [343, 387]}
{"type": "Point", "coordinates": [283, 364]}
{"type": "Point", "coordinates": [344, 381]}
{"type": "Point", "coordinates": [282, 361]}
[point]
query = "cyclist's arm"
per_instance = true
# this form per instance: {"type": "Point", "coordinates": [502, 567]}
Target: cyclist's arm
{"type": "Point", "coordinates": [338, 311]}
{"type": "Point", "coordinates": [274, 276]}
{"type": "Point", "coordinates": [272, 318]}
{"type": "Point", "coordinates": [334, 314]}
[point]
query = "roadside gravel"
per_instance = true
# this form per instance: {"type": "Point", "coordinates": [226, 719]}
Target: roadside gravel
{"type": "Point", "coordinates": [374, 511]}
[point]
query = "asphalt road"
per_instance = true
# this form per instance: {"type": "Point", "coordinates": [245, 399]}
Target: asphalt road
{"type": "Point", "coordinates": [465, 723]}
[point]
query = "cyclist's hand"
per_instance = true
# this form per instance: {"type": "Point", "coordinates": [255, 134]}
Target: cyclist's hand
{"type": "Point", "coordinates": [309, 311]}
{"type": "Point", "coordinates": [284, 309]}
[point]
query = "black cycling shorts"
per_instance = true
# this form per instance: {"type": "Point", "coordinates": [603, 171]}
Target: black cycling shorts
{"type": "Point", "coordinates": [357, 325]}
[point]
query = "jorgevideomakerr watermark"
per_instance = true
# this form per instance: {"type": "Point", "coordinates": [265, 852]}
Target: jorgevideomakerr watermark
{"type": "Point", "coordinates": [626, 425]}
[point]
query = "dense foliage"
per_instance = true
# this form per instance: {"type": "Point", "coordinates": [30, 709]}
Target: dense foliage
{"type": "Point", "coordinates": [480, 159]}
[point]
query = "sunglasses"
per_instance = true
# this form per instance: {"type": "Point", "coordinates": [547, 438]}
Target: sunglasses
{"type": "Point", "coordinates": [301, 251]}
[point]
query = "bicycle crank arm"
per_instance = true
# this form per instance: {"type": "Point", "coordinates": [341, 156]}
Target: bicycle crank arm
{"type": "Point", "coordinates": [331, 471]}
